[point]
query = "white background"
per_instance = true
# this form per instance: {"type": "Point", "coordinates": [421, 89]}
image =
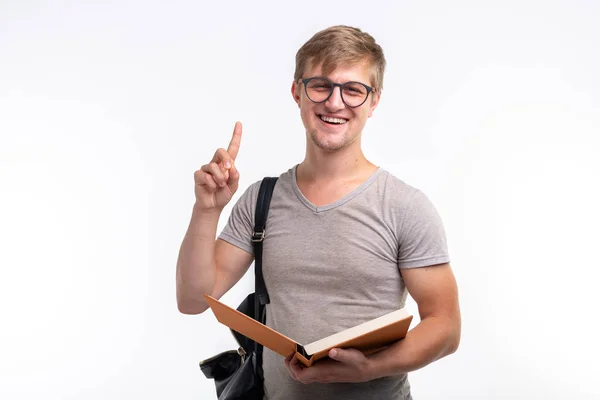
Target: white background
{"type": "Point", "coordinates": [107, 109]}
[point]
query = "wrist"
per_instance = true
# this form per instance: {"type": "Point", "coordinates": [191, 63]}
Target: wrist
{"type": "Point", "coordinates": [205, 213]}
{"type": "Point", "coordinates": [386, 362]}
{"type": "Point", "coordinates": [373, 370]}
{"type": "Point", "coordinates": [203, 223]}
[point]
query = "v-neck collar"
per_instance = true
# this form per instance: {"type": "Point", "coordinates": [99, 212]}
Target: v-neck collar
{"type": "Point", "coordinates": [318, 209]}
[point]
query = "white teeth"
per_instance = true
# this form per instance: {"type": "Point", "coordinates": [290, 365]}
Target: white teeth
{"type": "Point", "coordinates": [333, 120]}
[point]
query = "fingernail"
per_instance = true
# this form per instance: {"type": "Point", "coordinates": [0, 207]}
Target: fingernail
{"type": "Point", "coordinates": [227, 164]}
{"type": "Point", "coordinates": [333, 353]}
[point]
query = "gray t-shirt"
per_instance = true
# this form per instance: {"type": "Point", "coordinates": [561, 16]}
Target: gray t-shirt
{"type": "Point", "coordinates": [332, 267]}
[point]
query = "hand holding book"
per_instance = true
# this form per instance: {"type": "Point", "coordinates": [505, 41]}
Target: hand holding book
{"type": "Point", "coordinates": [343, 365]}
{"type": "Point", "coordinates": [367, 337]}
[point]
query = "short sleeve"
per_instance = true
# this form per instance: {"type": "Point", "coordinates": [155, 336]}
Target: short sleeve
{"type": "Point", "coordinates": [422, 239]}
{"type": "Point", "coordinates": [240, 224]}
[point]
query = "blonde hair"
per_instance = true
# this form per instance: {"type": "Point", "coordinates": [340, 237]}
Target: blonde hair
{"type": "Point", "coordinates": [341, 46]}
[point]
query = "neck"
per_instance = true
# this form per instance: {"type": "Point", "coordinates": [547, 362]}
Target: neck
{"type": "Point", "coordinates": [343, 164]}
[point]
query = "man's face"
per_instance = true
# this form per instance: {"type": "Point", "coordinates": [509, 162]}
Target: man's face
{"type": "Point", "coordinates": [333, 135]}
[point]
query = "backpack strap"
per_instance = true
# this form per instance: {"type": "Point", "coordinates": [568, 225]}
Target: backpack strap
{"type": "Point", "coordinates": [260, 222]}
{"type": "Point", "coordinates": [261, 296]}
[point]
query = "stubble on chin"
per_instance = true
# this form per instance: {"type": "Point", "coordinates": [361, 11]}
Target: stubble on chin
{"type": "Point", "coordinates": [328, 145]}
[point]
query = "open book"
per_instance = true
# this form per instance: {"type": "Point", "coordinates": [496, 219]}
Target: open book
{"type": "Point", "coordinates": [367, 337]}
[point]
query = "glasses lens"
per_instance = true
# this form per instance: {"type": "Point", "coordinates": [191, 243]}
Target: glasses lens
{"type": "Point", "coordinates": [354, 94]}
{"type": "Point", "coordinates": [318, 89]}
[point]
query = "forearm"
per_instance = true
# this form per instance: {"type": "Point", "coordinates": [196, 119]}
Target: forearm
{"type": "Point", "coordinates": [432, 339]}
{"type": "Point", "coordinates": [196, 262]}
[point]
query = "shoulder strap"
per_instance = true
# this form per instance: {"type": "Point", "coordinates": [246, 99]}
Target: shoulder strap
{"type": "Point", "coordinates": [261, 296]}
{"type": "Point", "coordinates": [260, 221]}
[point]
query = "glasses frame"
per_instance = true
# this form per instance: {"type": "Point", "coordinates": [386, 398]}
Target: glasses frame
{"type": "Point", "coordinates": [333, 86]}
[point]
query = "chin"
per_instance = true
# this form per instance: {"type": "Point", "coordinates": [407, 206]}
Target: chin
{"type": "Point", "coordinates": [328, 143]}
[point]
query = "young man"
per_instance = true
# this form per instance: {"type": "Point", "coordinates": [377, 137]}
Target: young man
{"type": "Point", "coordinates": [345, 241]}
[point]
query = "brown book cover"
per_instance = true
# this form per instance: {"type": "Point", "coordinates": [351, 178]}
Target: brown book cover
{"type": "Point", "coordinates": [368, 337]}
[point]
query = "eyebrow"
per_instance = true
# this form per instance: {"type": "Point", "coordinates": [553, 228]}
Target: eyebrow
{"type": "Point", "coordinates": [341, 83]}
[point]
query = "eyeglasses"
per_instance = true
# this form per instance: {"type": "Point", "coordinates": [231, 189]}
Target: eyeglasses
{"type": "Point", "coordinates": [319, 89]}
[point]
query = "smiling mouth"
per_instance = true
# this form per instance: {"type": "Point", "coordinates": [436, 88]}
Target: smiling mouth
{"type": "Point", "coordinates": [333, 121]}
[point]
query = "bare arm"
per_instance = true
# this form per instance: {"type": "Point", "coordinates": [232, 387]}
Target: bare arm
{"type": "Point", "coordinates": [437, 335]}
{"type": "Point", "coordinates": [435, 291]}
{"type": "Point", "coordinates": [206, 265]}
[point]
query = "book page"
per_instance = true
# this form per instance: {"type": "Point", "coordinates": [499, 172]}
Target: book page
{"type": "Point", "coordinates": [362, 330]}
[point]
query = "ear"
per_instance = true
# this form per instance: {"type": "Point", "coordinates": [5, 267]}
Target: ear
{"type": "Point", "coordinates": [374, 102]}
{"type": "Point", "coordinates": [296, 93]}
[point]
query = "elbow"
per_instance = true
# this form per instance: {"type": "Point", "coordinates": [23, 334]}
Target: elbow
{"type": "Point", "coordinates": [190, 309]}
{"type": "Point", "coordinates": [187, 298]}
{"type": "Point", "coordinates": [454, 340]}
{"type": "Point", "coordinates": [190, 306]}
{"type": "Point", "coordinates": [448, 337]}
{"type": "Point", "coordinates": [453, 345]}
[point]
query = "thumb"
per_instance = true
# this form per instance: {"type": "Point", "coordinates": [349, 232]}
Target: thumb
{"type": "Point", "coordinates": [347, 356]}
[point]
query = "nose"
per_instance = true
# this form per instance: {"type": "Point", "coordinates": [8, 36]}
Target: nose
{"type": "Point", "coordinates": [334, 102]}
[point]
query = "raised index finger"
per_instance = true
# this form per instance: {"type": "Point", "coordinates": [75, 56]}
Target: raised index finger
{"type": "Point", "coordinates": [234, 145]}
